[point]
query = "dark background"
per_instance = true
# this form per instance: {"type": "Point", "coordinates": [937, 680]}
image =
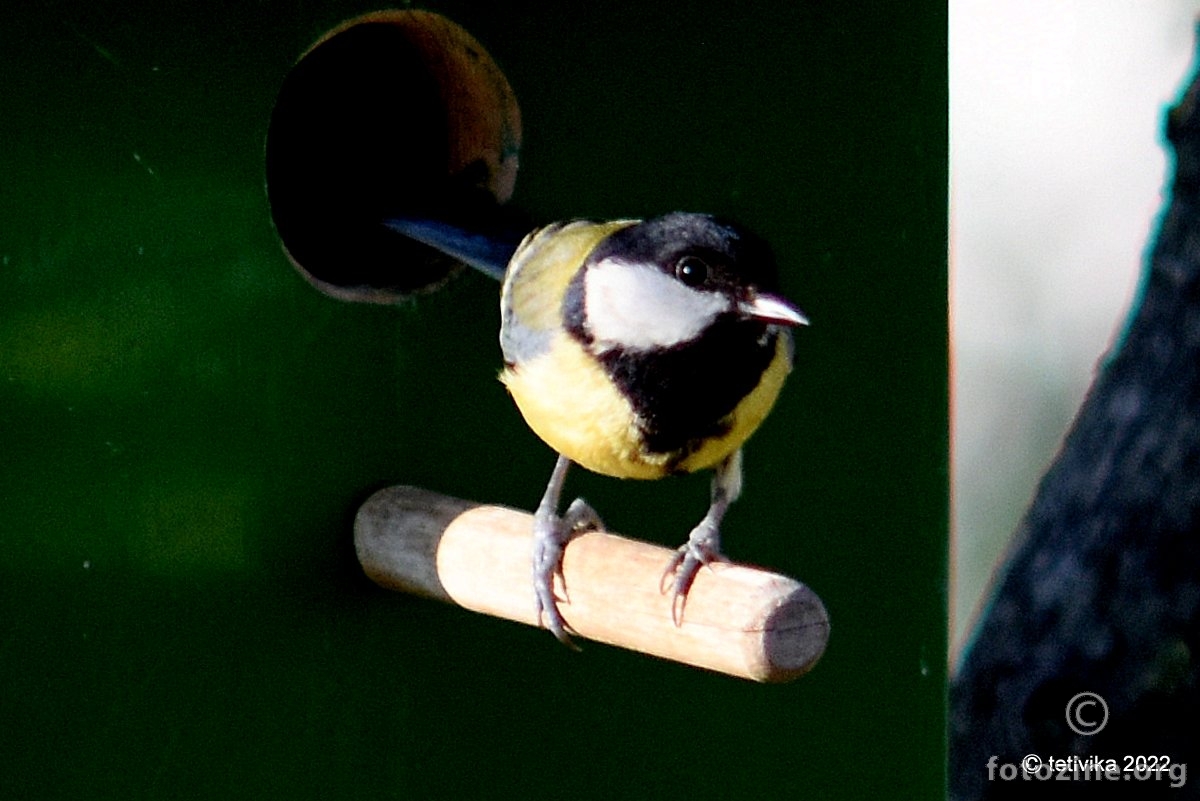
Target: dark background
{"type": "Point", "coordinates": [188, 427]}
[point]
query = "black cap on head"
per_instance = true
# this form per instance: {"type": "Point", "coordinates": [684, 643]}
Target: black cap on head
{"type": "Point", "coordinates": [733, 257]}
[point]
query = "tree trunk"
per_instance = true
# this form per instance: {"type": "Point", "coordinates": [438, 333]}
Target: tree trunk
{"type": "Point", "coordinates": [1101, 592]}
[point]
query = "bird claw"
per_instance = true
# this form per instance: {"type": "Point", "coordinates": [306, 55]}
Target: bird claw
{"type": "Point", "coordinates": [701, 550]}
{"type": "Point", "coordinates": [581, 517]}
{"type": "Point", "coordinates": [550, 537]}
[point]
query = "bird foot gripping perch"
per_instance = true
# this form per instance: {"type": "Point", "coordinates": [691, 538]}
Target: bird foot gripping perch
{"type": "Point", "coordinates": [551, 534]}
{"type": "Point", "coordinates": [741, 621]}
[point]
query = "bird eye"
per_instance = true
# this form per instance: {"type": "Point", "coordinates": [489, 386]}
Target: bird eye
{"type": "Point", "coordinates": [691, 270]}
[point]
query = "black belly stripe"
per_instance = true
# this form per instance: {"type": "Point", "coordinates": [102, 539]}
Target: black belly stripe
{"type": "Point", "coordinates": [685, 394]}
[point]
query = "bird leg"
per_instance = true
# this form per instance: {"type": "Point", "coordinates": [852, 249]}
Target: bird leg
{"type": "Point", "coordinates": [551, 534]}
{"type": "Point", "coordinates": [704, 542]}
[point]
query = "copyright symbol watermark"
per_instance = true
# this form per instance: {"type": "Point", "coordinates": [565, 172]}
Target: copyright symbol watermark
{"type": "Point", "coordinates": [1087, 713]}
{"type": "Point", "coordinates": [1031, 764]}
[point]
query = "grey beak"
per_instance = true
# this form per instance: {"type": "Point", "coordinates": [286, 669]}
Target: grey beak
{"type": "Point", "coordinates": [774, 310]}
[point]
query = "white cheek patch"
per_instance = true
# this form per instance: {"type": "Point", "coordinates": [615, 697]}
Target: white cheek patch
{"type": "Point", "coordinates": [638, 306]}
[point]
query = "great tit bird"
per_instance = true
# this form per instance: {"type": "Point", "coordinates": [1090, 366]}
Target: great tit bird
{"type": "Point", "coordinates": [636, 349]}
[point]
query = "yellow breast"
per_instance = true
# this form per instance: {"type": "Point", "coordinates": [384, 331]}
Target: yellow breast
{"type": "Point", "coordinates": [568, 400]}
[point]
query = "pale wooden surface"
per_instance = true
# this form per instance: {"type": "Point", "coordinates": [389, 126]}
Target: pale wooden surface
{"type": "Point", "coordinates": [739, 620]}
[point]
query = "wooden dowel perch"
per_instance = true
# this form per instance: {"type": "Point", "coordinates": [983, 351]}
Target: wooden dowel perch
{"type": "Point", "coordinates": [739, 620]}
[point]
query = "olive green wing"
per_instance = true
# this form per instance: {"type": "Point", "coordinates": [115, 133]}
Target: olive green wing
{"type": "Point", "coordinates": [536, 282]}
